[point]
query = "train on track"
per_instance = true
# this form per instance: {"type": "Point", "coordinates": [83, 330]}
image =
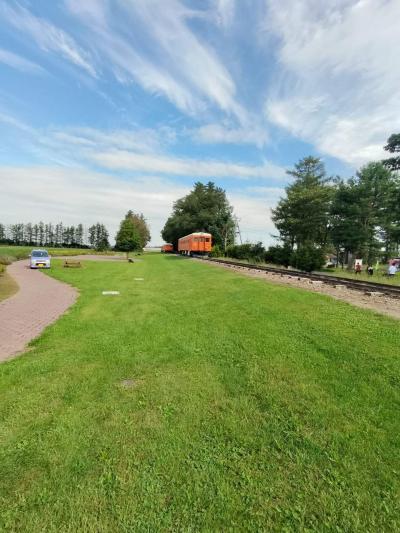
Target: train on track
{"type": "Point", "coordinates": [199, 243]}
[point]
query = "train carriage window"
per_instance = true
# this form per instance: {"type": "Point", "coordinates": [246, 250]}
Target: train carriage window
{"type": "Point", "coordinates": [207, 239]}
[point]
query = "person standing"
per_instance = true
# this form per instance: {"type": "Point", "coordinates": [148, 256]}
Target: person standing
{"type": "Point", "coordinates": [392, 270]}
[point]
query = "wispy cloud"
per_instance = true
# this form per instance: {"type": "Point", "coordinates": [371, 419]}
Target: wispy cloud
{"type": "Point", "coordinates": [18, 62]}
{"type": "Point", "coordinates": [227, 134]}
{"type": "Point", "coordinates": [161, 53]}
{"type": "Point", "coordinates": [142, 150]}
{"type": "Point", "coordinates": [338, 83]}
{"type": "Point", "coordinates": [124, 160]}
{"type": "Point", "coordinates": [47, 36]}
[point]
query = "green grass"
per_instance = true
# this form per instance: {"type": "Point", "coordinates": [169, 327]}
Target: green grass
{"type": "Point", "coordinates": [8, 254]}
{"type": "Point", "coordinates": [8, 286]}
{"type": "Point", "coordinates": [379, 275]}
{"type": "Point", "coordinates": [256, 407]}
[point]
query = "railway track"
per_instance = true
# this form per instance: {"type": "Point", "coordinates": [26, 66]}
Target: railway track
{"type": "Point", "coordinates": [367, 287]}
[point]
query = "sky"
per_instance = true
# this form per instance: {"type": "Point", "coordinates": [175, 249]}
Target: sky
{"type": "Point", "coordinates": [111, 105]}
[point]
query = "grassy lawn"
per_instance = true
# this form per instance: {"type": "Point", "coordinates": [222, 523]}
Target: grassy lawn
{"type": "Point", "coordinates": [251, 407]}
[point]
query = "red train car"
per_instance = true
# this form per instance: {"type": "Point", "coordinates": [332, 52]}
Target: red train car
{"type": "Point", "coordinates": [167, 248]}
{"type": "Point", "coordinates": [195, 243]}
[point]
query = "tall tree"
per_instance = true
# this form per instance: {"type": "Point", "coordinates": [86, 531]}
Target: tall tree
{"type": "Point", "coordinates": [205, 208]}
{"type": "Point", "coordinates": [141, 226]}
{"type": "Point", "coordinates": [2, 233]}
{"type": "Point", "coordinates": [376, 187]}
{"type": "Point", "coordinates": [393, 147]}
{"type": "Point", "coordinates": [303, 216]}
{"type": "Point", "coordinates": [128, 238]}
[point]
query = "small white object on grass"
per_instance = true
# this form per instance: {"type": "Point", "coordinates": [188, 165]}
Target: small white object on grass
{"type": "Point", "coordinates": [113, 293]}
{"type": "Point", "coordinates": [139, 279]}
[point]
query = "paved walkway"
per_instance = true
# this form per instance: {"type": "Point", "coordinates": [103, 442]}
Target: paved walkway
{"type": "Point", "coordinates": [38, 303]}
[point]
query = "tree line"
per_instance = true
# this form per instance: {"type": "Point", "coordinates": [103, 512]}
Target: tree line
{"type": "Point", "coordinates": [41, 234]}
{"type": "Point", "coordinates": [358, 217]}
{"type": "Point", "coordinates": [62, 236]}
{"type": "Point", "coordinates": [318, 215]}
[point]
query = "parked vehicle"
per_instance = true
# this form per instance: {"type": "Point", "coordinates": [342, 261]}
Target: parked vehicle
{"type": "Point", "coordinates": [40, 259]}
{"type": "Point", "coordinates": [195, 243]}
{"type": "Point", "coordinates": [167, 248]}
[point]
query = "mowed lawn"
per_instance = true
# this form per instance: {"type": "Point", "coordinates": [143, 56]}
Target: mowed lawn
{"type": "Point", "coordinates": [201, 400]}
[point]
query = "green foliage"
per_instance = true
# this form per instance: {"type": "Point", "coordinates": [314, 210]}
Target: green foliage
{"type": "Point", "coordinates": [98, 237]}
{"type": "Point", "coordinates": [393, 146]}
{"type": "Point", "coordinates": [128, 238]}
{"type": "Point", "coordinates": [216, 251]}
{"type": "Point", "coordinates": [248, 251]}
{"type": "Point", "coordinates": [141, 226]}
{"type": "Point", "coordinates": [253, 407]}
{"type": "Point", "coordinates": [205, 208]}
{"type": "Point", "coordinates": [303, 216]}
{"type": "Point", "coordinates": [307, 257]}
{"type": "Point", "coordinates": [279, 255]}
{"type": "Point", "coordinates": [41, 234]}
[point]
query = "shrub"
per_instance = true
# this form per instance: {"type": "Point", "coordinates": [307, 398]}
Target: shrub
{"type": "Point", "coordinates": [278, 255]}
{"type": "Point", "coordinates": [308, 257]}
{"type": "Point", "coordinates": [251, 252]}
{"type": "Point", "coordinates": [216, 251]}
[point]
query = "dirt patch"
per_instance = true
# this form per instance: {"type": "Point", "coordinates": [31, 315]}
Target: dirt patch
{"type": "Point", "coordinates": [376, 302]}
{"type": "Point", "coordinates": [129, 383]}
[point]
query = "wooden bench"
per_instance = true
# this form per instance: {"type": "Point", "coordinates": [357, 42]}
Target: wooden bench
{"type": "Point", "coordinates": [72, 263]}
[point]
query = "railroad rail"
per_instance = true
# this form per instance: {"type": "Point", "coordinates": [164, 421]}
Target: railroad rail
{"type": "Point", "coordinates": [368, 287]}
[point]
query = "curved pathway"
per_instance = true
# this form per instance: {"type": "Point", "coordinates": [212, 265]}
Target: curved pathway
{"type": "Point", "coordinates": [38, 303]}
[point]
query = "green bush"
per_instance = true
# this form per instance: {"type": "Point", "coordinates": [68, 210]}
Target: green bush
{"type": "Point", "coordinates": [278, 255]}
{"type": "Point", "coordinates": [247, 251]}
{"type": "Point", "coordinates": [216, 251]}
{"type": "Point", "coordinates": [308, 257]}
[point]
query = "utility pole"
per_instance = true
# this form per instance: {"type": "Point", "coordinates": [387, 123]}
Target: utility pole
{"type": "Point", "coordinates": [237, 229]}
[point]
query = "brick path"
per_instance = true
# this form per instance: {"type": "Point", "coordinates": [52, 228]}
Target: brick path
{"type": "Point", "coordinates": [38, 303]}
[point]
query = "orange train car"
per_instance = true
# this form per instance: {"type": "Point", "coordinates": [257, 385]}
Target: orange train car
{"type": "Point", "coordinates": [167, 248]}
{"type": "Point", "coordinates": [195, 243]}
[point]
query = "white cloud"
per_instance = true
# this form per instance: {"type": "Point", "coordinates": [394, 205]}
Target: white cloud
{"type": "Point", "coordinates": [340, 74]}
{"type": "Point", "coordinates": [18, 62]}
{"type": "Point", "coordinates": [47, 36]}
{"type": "Point", "coordinates": [161, 53]}
{"type": "Point", "coordinates": [225, 12]}
{"type": "Point", "coordinates": [124, 160]}
{"type": "Point", "coordinates": [137, 150]}
{"type": "Point", "coordinates": [220, 133]}
{"type": "Point", "coordinates": [254, 215]}
{"type": "Point", "coordinates": [144, 140]}
{"type": "Point", "coordinates": [77, 195]}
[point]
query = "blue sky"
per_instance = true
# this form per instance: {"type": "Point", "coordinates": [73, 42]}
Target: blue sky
{"type": "Point", "coordinates": [110, 105]}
